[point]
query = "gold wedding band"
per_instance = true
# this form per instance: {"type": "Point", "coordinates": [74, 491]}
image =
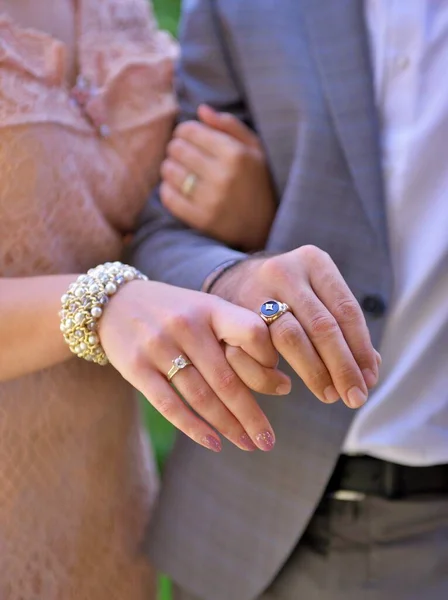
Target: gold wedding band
{"type": "Point", "coordinates": [189, 184]}
{"type": "Point", "coordinates": [272, 310]}
{"type": "Point", "coordinates": [179, 363]}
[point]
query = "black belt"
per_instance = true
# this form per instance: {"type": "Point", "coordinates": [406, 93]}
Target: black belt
{"type": "Point", "coordinates": [367, 475]}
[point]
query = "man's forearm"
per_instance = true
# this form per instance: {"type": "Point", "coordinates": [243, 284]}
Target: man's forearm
{"type": "Point", "coordinates": [164, 248]}
{"type": "Point", "coordinates": [167, 251]}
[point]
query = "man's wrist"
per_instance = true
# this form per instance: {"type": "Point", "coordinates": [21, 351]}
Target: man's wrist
{"type": "Point", "coordinates": [213, 278]}
{"type": "Point", "coordinates": [230, 280]}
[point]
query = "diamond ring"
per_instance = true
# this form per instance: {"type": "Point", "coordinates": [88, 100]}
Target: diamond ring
{"type": "Point", "coordinates": [179, 363]}
{"type": "Point", "coordinates": [271, 310]}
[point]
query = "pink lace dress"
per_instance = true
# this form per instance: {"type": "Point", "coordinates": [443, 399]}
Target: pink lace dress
{"type": "Point", "coordinates": [77, 477]}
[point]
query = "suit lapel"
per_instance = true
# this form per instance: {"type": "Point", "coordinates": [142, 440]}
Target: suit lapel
{"type": "Point", "coordinates": [339, 42]}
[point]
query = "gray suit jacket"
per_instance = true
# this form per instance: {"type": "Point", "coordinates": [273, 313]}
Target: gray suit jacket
{"type": "Point", "coordinates": [299, 72]}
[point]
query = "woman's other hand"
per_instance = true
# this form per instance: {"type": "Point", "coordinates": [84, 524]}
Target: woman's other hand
{"type": "Point", "coordinates": [214, 175]}
{"type": "Point", "coordinates": [147, 325]}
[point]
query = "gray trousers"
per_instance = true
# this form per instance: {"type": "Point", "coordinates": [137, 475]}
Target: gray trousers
{"type": "Point", "coordinates": [373, 549]}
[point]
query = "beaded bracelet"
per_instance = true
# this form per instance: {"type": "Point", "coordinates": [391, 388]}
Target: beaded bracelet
{"type": "Point", "coordinates": [83, 305]}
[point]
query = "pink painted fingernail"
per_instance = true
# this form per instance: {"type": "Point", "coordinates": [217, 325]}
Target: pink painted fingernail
{"type": "Point", "coordinates": [369, 377]}
{"type": "Point", "coordinates": [331, 394]}
{"type": "Point", "coordinates": [247, 443]}
{"type": "Point", "coordinates": [356, 397]}
{"type": "Point", "coordinates": [265, 441]}
{"type": "Point", "coordinates": [212, 443]}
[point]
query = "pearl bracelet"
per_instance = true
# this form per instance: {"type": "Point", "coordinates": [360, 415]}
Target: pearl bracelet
{"type": "Point", "coordinates": [83, 305]}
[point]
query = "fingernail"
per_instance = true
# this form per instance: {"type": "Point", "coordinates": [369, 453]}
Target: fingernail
{"type": "Point", "coordinates": [356, 397]}
{"type": "Point", "coordinates": [331, 394]}
{"type": "Point", "coordinates": [265, 441]}
{"type": "Point", "coordinates": [247, 443]}
{"type": "Point", "coordinates": [379, 360]}
{"type": "Point", "coordinates": [212, 443]}
{"type": "Point", "coordinates": [283, 389]}
{"type": "Point", "coordinates": [369, 377]}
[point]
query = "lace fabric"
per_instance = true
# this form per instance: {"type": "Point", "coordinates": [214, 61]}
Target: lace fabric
{"type": "Point", "coordinates": [77, 478]}
{"type": "Point", "coordinates": [63, 180]}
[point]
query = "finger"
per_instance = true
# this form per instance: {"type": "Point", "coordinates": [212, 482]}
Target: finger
{"type": "Point", "coordinates": [257, 378]}
{"type": "Point", "coordinates": [228, 123]}
{"type": "Point", "coordinates": [176, 174]}
{"type": "Point", "coordinates": [326, 336]}
{"type": "Point", "coordinates": [296, 348]}
{"type": "Point", "coordinates": [213, 143]}
{"type": "Point", "coordinates": [161, 395]}
{"type": "Point", "coordinates": [205, 403]}
{"type": "Point", "coordinates": [182, 208]}
{"type": "Point", "coordinates": [243, 328]}
{"type": "Point", "coordinates": [192, 157]}
{"type": "Point", "coordinates": [209, 359]}
{"type": "Point", "coordinates": [334, 293]}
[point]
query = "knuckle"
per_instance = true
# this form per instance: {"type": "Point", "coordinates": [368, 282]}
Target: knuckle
{"type": "Point", "coordinates": [287, 332]}
{"type": "Point", "coordinates": [138, 361]}
{"type": "Point", "coordinates": [318, 379]}
{"type": "Point", "coordinates": [166, 406]}
{"type": "Point", "coordinates": [154, 341]}
{"type": "Point", "coordinates": [323, 325]}
{"type": "Point", "coordinates": [171, 148]}
{"type": "Point", "coordinates": [347, 311]}
{"type": "Point", "coordinates": [312, 254]}
{"type": "Point", "coordinates": [165, 193]}
{"type": "Point", "coordinates": [164, 188]}
{"type": "Point", "coordinates": [165, 168]}
{"type": "Point", "coordinates": [236, 156]}
{"type": "Point", "coordinates": [227, 381]}
{"type": "Point", "coordinates": [261, 383]}
{"type": "Point", "coordinates": [199, 397]}
{"type": "Point", "coordinates": [184, 129]}
{"type": "Point", "coordinates": [348, 374]}
{"type": "Point", "coordinates": [257, 332]}
{"type": "Point", "coordinates": [275, 271]}
{"type": "Point", "coordinates": [181, 322]}
{"type": "Point", "coordinates": [257, 153]}
{"type": "Point", "coordinates": [147, 339]}
{"type": "Point", "coordinates": [364, 357]}
{"type": "Point", "coordinates": [177, 148]}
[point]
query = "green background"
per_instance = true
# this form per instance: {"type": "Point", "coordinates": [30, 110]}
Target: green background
{"type": "Point", "coordinates": [162, 433]}
{"type": "Point", "coordinates": [167, 12]}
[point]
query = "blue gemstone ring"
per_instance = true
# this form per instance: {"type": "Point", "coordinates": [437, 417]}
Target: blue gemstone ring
{"type": "Point", "coordinates": [271, 310]}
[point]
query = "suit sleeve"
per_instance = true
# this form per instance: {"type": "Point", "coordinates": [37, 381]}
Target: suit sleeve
{"type": "Point", "coordinates": [164, 248]}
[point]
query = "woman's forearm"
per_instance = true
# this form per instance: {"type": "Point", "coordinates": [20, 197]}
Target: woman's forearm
{"type": "Point", "coordinates": [30, 338]}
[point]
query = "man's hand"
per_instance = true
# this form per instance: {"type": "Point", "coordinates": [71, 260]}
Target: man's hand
{"type": "Point", "coordinates": [325, 338]}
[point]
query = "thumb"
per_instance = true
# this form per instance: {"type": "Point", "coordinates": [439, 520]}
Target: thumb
{"type": "Point", "coordinates": [229, 124]}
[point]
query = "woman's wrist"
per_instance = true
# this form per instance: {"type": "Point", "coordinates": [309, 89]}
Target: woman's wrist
{"type": "Point", "coordinates": [83, 305]}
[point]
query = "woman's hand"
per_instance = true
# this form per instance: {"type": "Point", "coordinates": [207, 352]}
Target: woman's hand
{"type": "Point", "coordinates": [147, 325]}
{"type": "Point", "coordinates": [214, 175]}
